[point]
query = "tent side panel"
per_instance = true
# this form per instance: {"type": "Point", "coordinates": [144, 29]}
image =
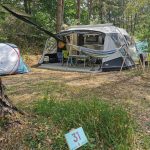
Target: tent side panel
{"type": "Point", "coordinates": [22, 68]}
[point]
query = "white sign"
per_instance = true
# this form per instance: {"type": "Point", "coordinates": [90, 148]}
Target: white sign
{"type": "Point", "coordinates": [76, 138]}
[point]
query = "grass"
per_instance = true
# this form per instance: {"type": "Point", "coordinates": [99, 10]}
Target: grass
{"type": "Point", "coordinates": [66, 106]}
{"type": "Point", "coordinates": [106, 127]}
{"type": "Point", "coordinates": [146, 142]}
{"type": "Point", "coordinates": [36, 140]}
{"type": "Point", "coordinates": [3, 122]}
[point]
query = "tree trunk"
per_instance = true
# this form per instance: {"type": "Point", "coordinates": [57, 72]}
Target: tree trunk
{"type": "Point", "coordinates": [109, 15]}
{"type": "Point", "coordinates": [90, 8]}
{"type": "Point", "coordinates": [127, 22]}
{"type": "Point", "coordinates": [78, 11]}
{"type": "Point", "coordinates": [123, 24]}
{"type": "Point", "coordinates": [114, 21]}
{"type": "Point", "coordinates": [101, 10]}
{"type": "Point", "coordinates": [131, 25]}
{"type": "Point", "coordinates": [27, 6]}
{"type": "Point", "coordinates": [62, 15]}
{"type": "Point", "coordinates": [123, 16]}
{"type": "Point", "coordinates": [6, 107]}
{"type": "Point", "coordinates": [59, 15]}
{"type": "Point", "coordinates": [135, 23]}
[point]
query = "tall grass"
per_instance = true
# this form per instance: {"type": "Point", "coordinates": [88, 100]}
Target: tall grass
{"type": "Point", "coordinates": [106, 127]}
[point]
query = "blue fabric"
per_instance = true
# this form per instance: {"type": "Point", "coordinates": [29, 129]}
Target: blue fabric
{"type": "Point", "coordinates": [142, 46]}
{"type": "Point", "coordinates": [100, 52]}
{"type": "Point", "coordinates": [97, 53]}
{"type": "Point", "coordinates": [22, 68]}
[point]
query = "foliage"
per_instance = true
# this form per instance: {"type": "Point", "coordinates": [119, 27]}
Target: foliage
{"type": "Point", "coordinates": [3, 122]}
{"type": "Point", "coordinates": [70, 14]}
{"type": "Point", "coordinates": [35, 141]}
{"type": "Point", "coordinates": [141, 8]}
{"type": "Point", "coordinates": [105, 126]}
{"type": "Point", "coordinates": [132, 15]}
{"type": "Point", "coordinates": [146, 141]}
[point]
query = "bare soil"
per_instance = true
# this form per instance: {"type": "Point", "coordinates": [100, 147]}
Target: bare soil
{"type": "Point", "coordinates": [123, 88]}
{"type": "Point", "coordinates": [128, 88]}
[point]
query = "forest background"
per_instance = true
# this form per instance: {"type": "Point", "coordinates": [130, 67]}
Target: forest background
{"type": "Point", "coordinates": [132, 15]}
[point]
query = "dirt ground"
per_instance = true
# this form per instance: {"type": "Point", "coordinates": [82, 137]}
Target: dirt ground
{"type": "Point", "coordinates": [128, 88]}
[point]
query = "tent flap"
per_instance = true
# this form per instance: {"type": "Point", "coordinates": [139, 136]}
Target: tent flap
{"type": "Point", "coordinates": [22, 68]}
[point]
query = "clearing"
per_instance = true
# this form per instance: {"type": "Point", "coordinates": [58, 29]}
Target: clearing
{"type": "Point", "coordinates": [128, 88]}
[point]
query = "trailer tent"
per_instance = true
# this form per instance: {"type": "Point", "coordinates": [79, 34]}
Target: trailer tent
{"type": "Point", "coordinates": [10, 60]}
{"type": "Point", "coordinates": [106, 42]}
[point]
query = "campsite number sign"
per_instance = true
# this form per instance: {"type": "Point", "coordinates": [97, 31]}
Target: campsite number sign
{"type": "Point", "coordinates": [76, 138]}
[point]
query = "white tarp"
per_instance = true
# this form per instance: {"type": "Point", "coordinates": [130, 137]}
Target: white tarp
{"type": "Point", "coordinates": [9, 59]}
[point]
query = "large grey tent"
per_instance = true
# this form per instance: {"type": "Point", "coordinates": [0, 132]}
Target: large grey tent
{"type": "Point", "coordinates": [105, 41]}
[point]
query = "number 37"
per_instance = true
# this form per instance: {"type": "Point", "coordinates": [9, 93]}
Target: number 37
{"type": "Point", "coordinates": [76, 137]}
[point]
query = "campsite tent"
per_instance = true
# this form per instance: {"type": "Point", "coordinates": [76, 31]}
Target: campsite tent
{"type": "Point", "coordinates": [109, 43]}
{"type": "Point", "coordinates": [10, 60]}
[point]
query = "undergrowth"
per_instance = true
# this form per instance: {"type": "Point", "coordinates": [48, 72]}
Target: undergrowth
{"type": "Point", "coordinates": [3, 122]}
{"type": "Point", "coordinates": [106, 127]}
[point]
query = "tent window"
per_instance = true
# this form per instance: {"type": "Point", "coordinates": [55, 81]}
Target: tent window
{"type": "Point", "coordinates": [91, 39]}
{"type": "Point", "coordinates": [117, 39]}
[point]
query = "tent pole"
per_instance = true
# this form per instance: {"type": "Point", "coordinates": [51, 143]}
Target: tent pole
{"type": "Point", "coordinates": [123, 62]}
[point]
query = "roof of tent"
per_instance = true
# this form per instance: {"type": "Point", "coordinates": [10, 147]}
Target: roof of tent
{"type": "Point", "coordinates": [123, 31]}
{"type": "Point", "coordinates": [104, 28]}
